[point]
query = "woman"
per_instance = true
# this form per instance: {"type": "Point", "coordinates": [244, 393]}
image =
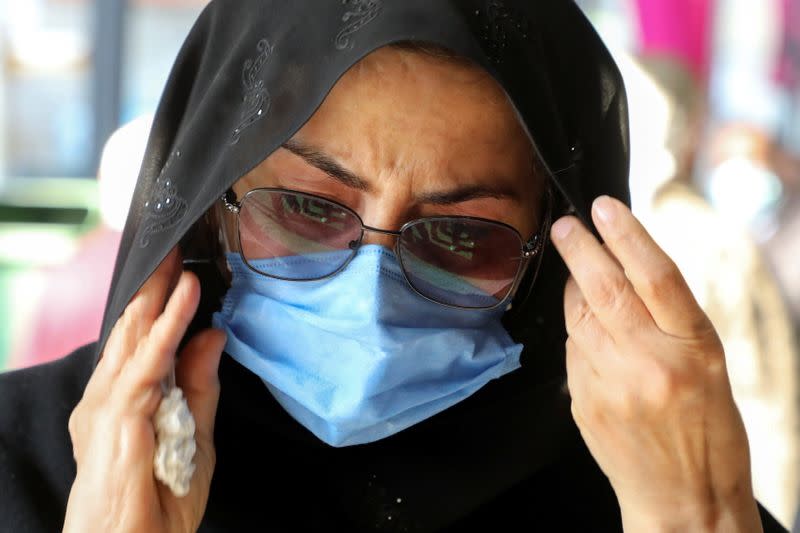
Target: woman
{"type": "Point", "coordinates": [383, 213]}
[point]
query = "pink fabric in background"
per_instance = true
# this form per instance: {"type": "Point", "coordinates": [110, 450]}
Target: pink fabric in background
{"type": "Point", "coordinates": [788, 65]}
{"type": "Point", "coordinates": [70, 310]}
{"type": "Point", "coordinates": [678, 28]}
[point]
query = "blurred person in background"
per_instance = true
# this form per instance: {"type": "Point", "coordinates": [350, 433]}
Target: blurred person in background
{"type": "Point", "coordinates": [69, 308]}
{"type": "Point", "coordinates": [783, 247]}
{"type": "Point", "coordinates": [747, 109]}
{"type": "Point", "coordinates": [683, 48]}
{"type": "Point", "coordinates": [723, 266]}
{"type": "Point", "coordinates": [750, 167]}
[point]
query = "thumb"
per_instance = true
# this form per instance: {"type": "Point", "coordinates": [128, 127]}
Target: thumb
{"type": "Point", "coordinates": [196, 374]}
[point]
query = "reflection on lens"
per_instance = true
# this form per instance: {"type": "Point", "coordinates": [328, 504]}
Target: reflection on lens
{"type": "Point", "coordinates": [457, 261]}
{"type": "Point", "coordinates": [461, 262]}
{"type": "Point", "coordinates": [295, 236]}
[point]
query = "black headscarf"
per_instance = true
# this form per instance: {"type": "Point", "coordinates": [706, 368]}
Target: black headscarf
{"type": "Point", "coordinates": [250, 74]}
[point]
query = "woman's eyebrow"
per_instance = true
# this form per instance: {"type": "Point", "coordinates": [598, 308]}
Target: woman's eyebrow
{"type": "Point", "coordinates": [469, 192]}
{"type": "Point", "coordinates": [327, 164]}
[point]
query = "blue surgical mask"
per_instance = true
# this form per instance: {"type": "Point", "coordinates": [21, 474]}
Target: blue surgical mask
{"type": "Point", "coordinates": [360, 356]}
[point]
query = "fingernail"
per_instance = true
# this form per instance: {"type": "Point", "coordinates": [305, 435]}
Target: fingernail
{"type": "Point", "coordinates": [604, 208]}
{"type": "Point", "coordinates": [562, 228]}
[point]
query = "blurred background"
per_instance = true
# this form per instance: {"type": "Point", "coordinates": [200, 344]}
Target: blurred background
{"type": "Point", "coordinates": [71, 73]}
{"type": "Point", "coordinates": [714, 90]}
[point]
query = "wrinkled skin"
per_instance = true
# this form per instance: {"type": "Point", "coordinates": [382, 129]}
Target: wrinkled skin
{"type": "Point", "coordinates": [112, 431]}
{"type": "Point", "coordinates": [646, 370]}
{"type": "Point", "coordinates": [650, 391]}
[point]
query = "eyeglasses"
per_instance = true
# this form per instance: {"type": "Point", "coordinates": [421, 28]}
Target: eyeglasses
{"type": "Point", "coordinates": [456, 261]}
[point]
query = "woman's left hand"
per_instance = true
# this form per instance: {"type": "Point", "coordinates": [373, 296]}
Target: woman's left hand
{"type": "Point", "coordinates": [649, 386]}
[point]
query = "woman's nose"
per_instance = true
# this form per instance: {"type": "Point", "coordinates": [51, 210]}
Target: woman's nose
{"type": "Point", "coordinates": [380, 238]}
{"type": "Point", "coordinates": [383, 216]}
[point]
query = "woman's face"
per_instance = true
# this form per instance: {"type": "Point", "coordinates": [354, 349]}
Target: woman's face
{"type": "Point", "coordinates": [405, 135]}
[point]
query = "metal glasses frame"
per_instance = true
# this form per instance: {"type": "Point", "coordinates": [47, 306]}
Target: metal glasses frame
{"type": "Point", "coordinates": [528, 249]}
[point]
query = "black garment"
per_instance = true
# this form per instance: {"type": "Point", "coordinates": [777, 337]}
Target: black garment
{"type": "Point", "coordinates": [272, 475]}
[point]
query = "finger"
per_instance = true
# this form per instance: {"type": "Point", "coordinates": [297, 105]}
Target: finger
{"type": "Point", "coordinates": [581, 375]}
{"type": "Point", "coordinates": [120, 345]}
{"type": "Point", "coordinates": [602, 282]}
{"type": "Point", "coordinates": [139, 315]}
{"type": "Point", "coordinates": [154, 358]}
{"type": "Point", "coordinates": [196, 374]}
{"type": "Point", "coordinates": [653, 275]}
{"type": "Point", "coordinates": [612, 256]}
{"type": "Point", "coordinates": [149, 301]}
{"type": "Point", "coordinates": [582, 326]}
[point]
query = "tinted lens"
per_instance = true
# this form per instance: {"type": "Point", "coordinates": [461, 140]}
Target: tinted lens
{"type": "Point", "coordinates": [295, 236]}
{"type": "Point", "coordinates": [462, 262]}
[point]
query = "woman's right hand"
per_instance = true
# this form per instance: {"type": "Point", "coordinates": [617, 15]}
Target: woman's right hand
{"type": "Point", "coordinates": [113, 436]}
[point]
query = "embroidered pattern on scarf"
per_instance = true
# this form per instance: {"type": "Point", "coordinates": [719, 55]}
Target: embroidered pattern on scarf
{"type": "Point", "coordinates": [359, 14]}
{"type": "Point", "coordinates": [165, 208]}
{"type": "Point", "coordinates": [256, 99]}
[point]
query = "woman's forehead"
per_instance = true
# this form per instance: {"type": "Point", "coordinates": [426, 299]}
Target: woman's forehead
{"type": "Point", "coordinates": [401, 108]}
{"type": "Point", "coordinates": [433, 86]}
